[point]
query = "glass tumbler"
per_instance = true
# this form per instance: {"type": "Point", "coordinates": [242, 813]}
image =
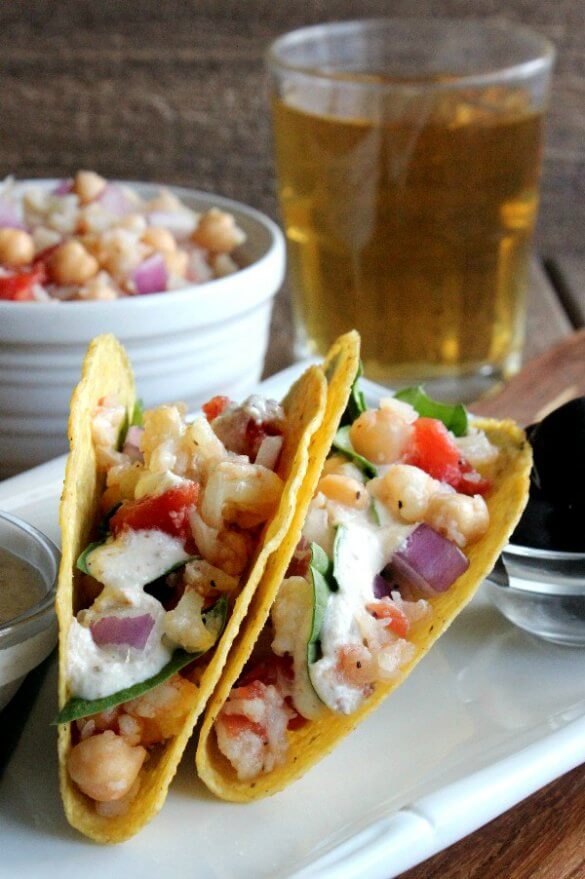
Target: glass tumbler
{"type": "Point", "coordinates": [408, 159]}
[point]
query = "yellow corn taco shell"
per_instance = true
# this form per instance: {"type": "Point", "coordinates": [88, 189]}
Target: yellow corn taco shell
{"type": "Point", "coordinates": [107, 372]}
{"type": "Point", "coordinates": [317, 738]}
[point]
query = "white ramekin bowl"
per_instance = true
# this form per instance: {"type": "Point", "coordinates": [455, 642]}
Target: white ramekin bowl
{"type": "Point", "coordinates": [185, 345]}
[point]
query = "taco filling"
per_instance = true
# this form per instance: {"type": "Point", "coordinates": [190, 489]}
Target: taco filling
{"type": "Point", "coordinates": [399, 501]}
{"type": "Point", "coordinates": [184, 505]}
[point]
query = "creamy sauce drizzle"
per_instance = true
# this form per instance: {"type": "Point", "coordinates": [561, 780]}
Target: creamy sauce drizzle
{"type": "Point", "coordinates": [21, 585]}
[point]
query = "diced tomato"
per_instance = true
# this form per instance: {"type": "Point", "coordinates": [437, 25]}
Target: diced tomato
{"type": "Point", "coordinates": [397, 619]}
{"type": "Point", "coordinates": [435, 452]}
{"type": "Point", "coordinates": [18, 287]}
{"type": "Point", "coordinates": [471, 482]}
{"type": "Point", "coordinates": [267, 670]}
{"type": "Point", "coordinates": [254, 690]}
{"type": "Point", "coordinates": [166, 512]}
{"type": "Point", "coordinates": [215, 407]}
{"type": "Point", "coordinates": [235, 724]}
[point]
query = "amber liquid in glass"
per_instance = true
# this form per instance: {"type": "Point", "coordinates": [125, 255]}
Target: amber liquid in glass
{"type": "Point", "coordinates": [414, 229]}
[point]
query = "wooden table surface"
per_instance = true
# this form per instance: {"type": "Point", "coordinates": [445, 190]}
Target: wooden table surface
{"type": "Point", "coordinates": [544, 836]}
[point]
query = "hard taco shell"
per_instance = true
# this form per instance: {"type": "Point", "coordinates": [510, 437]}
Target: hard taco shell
{"type": "Point", "coordinates": [107, 372]}
{"type": "Point", "coordinates": [317, 738]}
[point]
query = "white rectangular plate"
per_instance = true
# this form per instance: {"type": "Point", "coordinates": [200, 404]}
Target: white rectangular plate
{"type": "Point", "coordinates": [487, 718]}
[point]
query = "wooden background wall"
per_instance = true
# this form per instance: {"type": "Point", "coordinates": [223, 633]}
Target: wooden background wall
{"type": "Point", "coordinates": [174, 90]}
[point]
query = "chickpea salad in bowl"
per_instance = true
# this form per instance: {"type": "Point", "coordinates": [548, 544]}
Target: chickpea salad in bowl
{"type": "Point", "coordinates": [405, 511]}
{"type": "Point", "coordinates": [89, 239]}
{"type": "Point", "coordinates": [167, 524]}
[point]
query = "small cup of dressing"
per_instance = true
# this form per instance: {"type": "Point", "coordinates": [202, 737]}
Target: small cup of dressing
{"type": "Point", "coordinates": [29, 562]}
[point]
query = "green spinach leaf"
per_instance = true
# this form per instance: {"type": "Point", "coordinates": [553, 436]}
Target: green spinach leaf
{"type": "Point", "coordinates": [320, 569]}
{"type": "Point", "coordinates": [132, 419]}
{"type": "Point", "coordinates": [81, 563]}
{"type": "Point", "coordinates": [453, 417]}
{"type": "Point", "coordinates": [342, 443]}
{"type": "Point", "coordinates": [357, 402]}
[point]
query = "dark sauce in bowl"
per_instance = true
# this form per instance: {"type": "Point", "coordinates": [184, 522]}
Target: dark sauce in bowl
{"type": "Point", "coordinates": [554, 518]}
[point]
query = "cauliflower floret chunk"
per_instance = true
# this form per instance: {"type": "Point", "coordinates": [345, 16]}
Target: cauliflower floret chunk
{"type": "Point", "coordinates": [208, 579]}
{"type": "Point", "coordinates": [121, 483]}
{"type": "Point", "coordinates": [206, 444]}
{"type": "Point", "coordinates": [229, 549]}
{"type": "Point", "coordinates": [162, 441]}
{"type": "Point", "coordinates": [458, 517]}
{"type": "Point", "coordinates": [185, 625]}
{"type": "Point", "coordinates": [243, 493]}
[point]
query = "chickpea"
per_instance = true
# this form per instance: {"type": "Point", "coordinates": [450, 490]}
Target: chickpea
{"type": "Point", "coordinates": [92, 243]}
{"type": "Point", "coordinates": [342, 466]}
{"type": "Point", "coordinates": [177, 262]}
{"type": "Point", "coordinates": [406, 491]}
{"type": "Point", "coordinates": [403, 410]}
{"type": "Point", "coordinates": [355, 665]}
{"type": "Point", "coordinates": [218, 232]}
{"type": "Point", "coordinates": [460, 518]}
{"type": "Point", "coordinates": [16, 247]}
{"type": "Point", "coordinates": [97, 289]}
{"type": "Point", "coordinates": [72, 264]}
{"type": "Point", "coordinates": [344, 490]}
{"type": "Point", "coordinates": [380, 435]}
{"type": "Point", "coordinates": [159, 239]}
{"type": "Point", "coordinates": [119, 253]}
{"type": "Point", "coordinates": [105, 766]}
{"type": "Point", "coordinates": [165, 201]}
{"type": "Point", "coordinates": [88, 186]}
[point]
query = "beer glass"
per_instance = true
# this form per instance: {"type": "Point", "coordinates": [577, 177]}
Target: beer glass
{"type": "Point", "coordinates": [408, 157]}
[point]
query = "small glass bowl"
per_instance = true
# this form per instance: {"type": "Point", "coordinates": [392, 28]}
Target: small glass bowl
{"type": "Point", "coordinates": [542, 591]}
{"type": "Point", "coordinates": [27, 639]}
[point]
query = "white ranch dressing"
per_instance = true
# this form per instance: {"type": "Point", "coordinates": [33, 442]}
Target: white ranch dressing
{"type": "Point", "coordinates": [363, 553]}
{"type": "Point", "coordinates": [131, 560]}
{"type": "Point", "coordinates": [95, 672]}
{"type": "Point", "coordinates": [124, 565]}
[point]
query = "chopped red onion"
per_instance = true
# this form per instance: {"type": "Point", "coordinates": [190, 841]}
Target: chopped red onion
{"type": "Point", "coordinates": [269, 452]}
{"type": "Point", "coordinates": [113, 200]}
{"type": "Point", "coordinates": [9, 216]}
{"type": "Point", "coordinates": [132, 443]}
{"type": "Point", "coordinates": [427, 562]}
{"type": "Point", "coordinates": [127, 631]}
{"type": "Point", "coordinates": [382, 587]}
{"type": "Point", "coordinates": [179, 223]}
{"type": "Point", "coordinates": [63, 188]}
{"type": "Point", "coordinates": [151, 276]}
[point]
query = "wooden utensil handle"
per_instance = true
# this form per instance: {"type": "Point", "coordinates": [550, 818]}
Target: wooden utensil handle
{"type": "Point", "coordinates": [544, 383]}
